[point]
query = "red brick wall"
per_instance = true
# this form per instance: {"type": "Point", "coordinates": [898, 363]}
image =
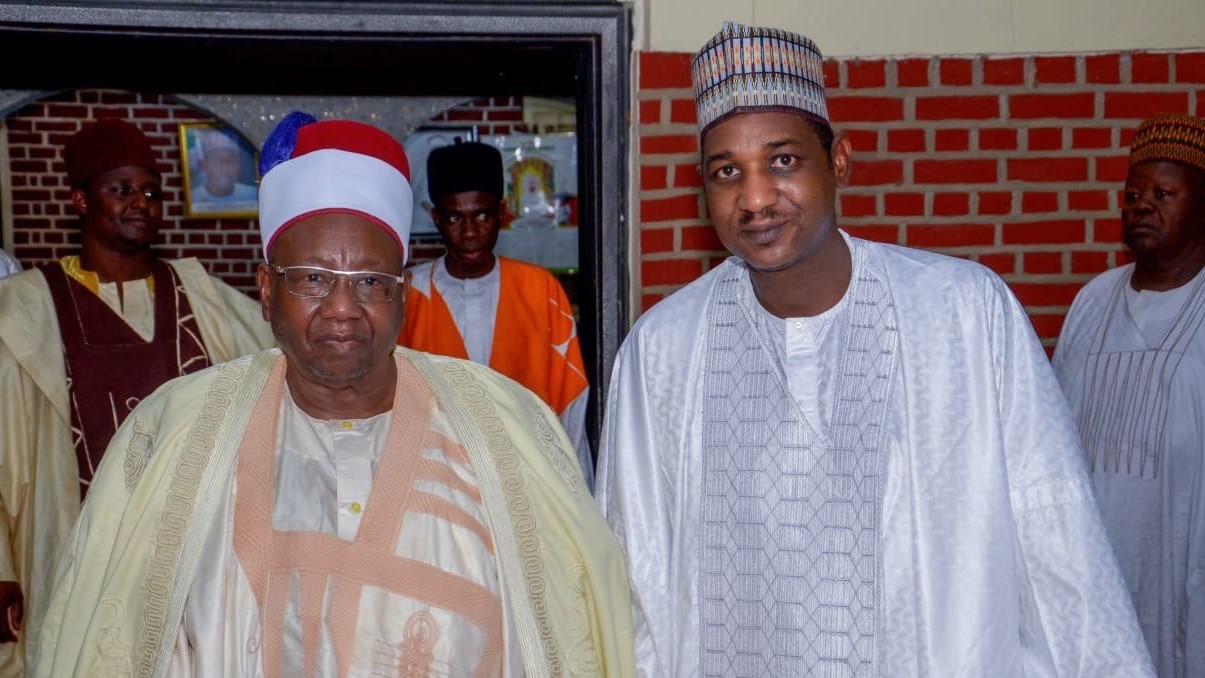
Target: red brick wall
{"type": "Point", "coordinates": [1016, 162]}
{"type": "Point", "coordinates": [45, 226]}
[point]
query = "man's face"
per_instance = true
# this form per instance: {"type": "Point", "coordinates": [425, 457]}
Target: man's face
{"type": "Point", "coordinates": [334, 341]}
{"type": "Point", "coordinates": [222, 167]}
{"type": "Point", "coordinates": [469, 225]}
{"type": "Point", "coordinates": [1163, 210]}
{"type": "Point", "coordinates": [122, 209]}
{"type": "Point", "coordinates": [771, 189]}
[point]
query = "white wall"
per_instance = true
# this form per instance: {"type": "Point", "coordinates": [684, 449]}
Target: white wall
{"type": "Point", "coordinates": [844, 28]}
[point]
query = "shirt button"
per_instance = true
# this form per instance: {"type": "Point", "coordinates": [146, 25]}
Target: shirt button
{"type": "Point", "coordinates": [346, 424]}
{"type": "Point", "coordinates": [355, 507]}
{"type": "Point", "coordinates": [253, 645]}
{"type": "Point", "coordinates": [799, 324]}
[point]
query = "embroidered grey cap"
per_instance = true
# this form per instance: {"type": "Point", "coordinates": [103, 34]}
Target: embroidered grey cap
{"type": "Point", "coordinates": [751, 68]}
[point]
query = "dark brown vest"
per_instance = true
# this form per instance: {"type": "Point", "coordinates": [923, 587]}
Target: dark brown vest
{"type": "Point", "coordinates": [110, 369]}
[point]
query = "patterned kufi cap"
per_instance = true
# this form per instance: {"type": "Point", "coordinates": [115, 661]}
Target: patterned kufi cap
{"type": "Point", "coordinates": [1175, 137]}
{"type": "Point", "coordinates": [749, 68]}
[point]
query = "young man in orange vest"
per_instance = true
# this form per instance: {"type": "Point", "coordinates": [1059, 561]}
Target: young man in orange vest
{"type": "Point", "coordinates": [470, 303]}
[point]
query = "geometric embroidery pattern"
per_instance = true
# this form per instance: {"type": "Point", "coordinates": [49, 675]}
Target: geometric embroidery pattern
{"type": "Point", "coordinates": [791, 519]}
{"type": "Point", "coordinates": [750, 67]}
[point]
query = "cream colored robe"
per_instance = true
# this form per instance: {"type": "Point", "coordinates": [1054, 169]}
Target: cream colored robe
{"type": "Point", "coordinates": [121, 584]}
{"type": "Point", "coordinates": [39, 478]}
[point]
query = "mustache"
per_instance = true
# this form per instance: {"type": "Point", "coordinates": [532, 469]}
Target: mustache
{"type": "Point", "coordinates": [767, 214]}
{"type": "Point", "coordinates": [139, 214]}
{"type": "Point", "coordinates": [340, 335]}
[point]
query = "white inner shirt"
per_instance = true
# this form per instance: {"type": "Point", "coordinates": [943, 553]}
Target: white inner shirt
{"type": "Point", "coordinates": [473, 303]}
{"type": "Point", "coordinates": [1154, 311]}
{"type": "Point", "coordinates": [807, 349]}
{"type": "Point", "coordinates": [324, 471]}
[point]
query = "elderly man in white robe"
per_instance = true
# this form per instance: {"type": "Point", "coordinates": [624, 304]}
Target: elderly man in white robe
{"type": "Point", "coordinates": [339, 506]}
{"type": "Point", "coordinates": [1131, 359]}
{"type": "Point", "coordinates": [831, 457]}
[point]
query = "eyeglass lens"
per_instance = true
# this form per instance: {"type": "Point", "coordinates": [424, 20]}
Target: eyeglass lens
{"type": "Point", "coordinates": [316, 282]}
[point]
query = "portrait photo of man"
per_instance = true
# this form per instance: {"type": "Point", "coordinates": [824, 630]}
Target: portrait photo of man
{"type": "Point", "coordinates": [220, 172]}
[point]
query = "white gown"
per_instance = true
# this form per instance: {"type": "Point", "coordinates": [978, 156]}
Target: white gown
{"type": "Point", "coordinates": [992, 560]}
{"type": "Point", "coordinates": [1133, 367]}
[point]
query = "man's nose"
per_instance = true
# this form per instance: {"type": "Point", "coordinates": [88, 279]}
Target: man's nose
{"type": "Point", "coordinates": [758, 191]}
{"type": "Point", "coordinates": [340, 303]}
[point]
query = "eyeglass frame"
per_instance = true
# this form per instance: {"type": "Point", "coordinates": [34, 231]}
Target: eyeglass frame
{"type": "Point", "coordinates": [402, 281]}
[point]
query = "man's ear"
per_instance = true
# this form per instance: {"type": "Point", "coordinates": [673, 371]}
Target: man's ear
{"type": "Point", "coordinates": [842, 164]}
{"type": "Point", "coordinates": [79, 200]}
{"type": "Point", "coordinates": [263, 278]}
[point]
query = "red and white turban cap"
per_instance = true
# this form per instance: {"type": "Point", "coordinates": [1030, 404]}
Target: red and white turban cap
{"type": "Point", "coordinates": [311, 167]}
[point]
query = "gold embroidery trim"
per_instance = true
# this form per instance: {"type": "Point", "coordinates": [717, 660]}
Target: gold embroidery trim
{"type": "Point", "coordinates": [566, 467]}
{"type": "Point", "coordinates": [583, 658]}
{"type": "Point", "coordinates": [523, 519]}
{"type": "Point", "coordinates": [137, 454]}
{"type": "Point", "coordinates": [178, 505]}
{"type": "Point", "coordinates": [112, 659]}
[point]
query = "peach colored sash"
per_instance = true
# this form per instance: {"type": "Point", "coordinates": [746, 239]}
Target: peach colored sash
{"type": "Point", "coordinates": [271, 558]}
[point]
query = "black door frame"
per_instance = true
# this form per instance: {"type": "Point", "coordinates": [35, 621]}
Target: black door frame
{"type": "Point", "coordinates": [579, 49]}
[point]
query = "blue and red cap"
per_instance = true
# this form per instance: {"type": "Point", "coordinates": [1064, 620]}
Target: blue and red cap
{"type": "Point", "coordinates": [311, 167]}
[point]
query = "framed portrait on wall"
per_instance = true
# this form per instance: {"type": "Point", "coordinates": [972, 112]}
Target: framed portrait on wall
{"type": "Point", "coordinates": [418, 146]}
{"type": "Point", "coordinates": [540, 177]}
{"type": "Point", "coordinates": [220, 172]}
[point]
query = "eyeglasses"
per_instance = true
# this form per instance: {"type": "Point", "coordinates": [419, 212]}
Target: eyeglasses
{"type": "Point", "coordinates": [369, 287]}
{"type": "Point", "coordinates": [126, 192]}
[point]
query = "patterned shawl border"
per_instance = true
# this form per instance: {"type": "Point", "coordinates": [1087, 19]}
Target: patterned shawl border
{"type": "Point", "coordinates": [195, 489]}
{"type": "Point", "coordinates": [566, 466]}
{"type": "Point", "coordinates": [477, 422]}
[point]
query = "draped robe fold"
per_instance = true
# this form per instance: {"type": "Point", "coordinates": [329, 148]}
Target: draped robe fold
{"type": "Point", "coordinates": [124, 579]}
{"type": "Point", "coordinates": [39, 474]}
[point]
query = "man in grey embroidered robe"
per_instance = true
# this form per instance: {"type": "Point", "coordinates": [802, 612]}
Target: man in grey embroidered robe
{"type": "Point", "coordinates": [1131, 358]}
{"type": "Point", "coordinates": [830, 457]}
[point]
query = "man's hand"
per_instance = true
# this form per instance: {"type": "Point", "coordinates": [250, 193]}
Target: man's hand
{"type": "Point", "coordinates": [12, 611]}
